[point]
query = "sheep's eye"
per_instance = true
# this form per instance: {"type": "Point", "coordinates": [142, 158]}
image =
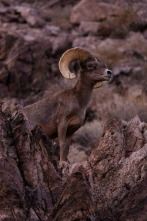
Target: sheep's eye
{"type": "Point", "coordinates": [90, 66]}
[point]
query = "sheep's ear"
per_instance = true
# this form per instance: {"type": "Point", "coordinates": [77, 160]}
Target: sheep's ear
{"type": "Point", "coordinates": [76, 67]}
{"type": "Point", "coordinates": [82, 65]}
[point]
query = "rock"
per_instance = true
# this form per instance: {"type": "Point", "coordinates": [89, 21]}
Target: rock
{"type": "Point", "coordinates": [57, 13]}
{"type": "Point", "coordinates": [140, 10]}
{"type": "Point", "coordinates": [3, 75]}
{"type": "Point", "coordinates": [111, 185]}
{"type": "Point", "coordinates": [75, 202]}
{"type": "Point", "coordinates": [30, 16]}
{"type": "Point", "coordinates": [41, 186]}
{"type": "Point", "coordinates": [124, 70]}
{"type": "Point", "coordinates": [16, 52]}
{"type": "Point", "coordinates": [134, 139]}
{"type": "Point", "coordinates": [135, 91]}
{"type": "Point", "coordinates": [18, 56]}
{"type": "Point", "coordinates": [52, 30]}
{"type": "Point", "coordinates": [6, 44]}
{"type": "Point", "coordinates": [113, 20]}
{"type": "Point", "coordinates": [89, 42]}
{"type": "Point", "coordinates": [126, 58]}
{"type": "Point", "coordinates": [61, 43]}
{"type": "Point", "coordinates": [110, 20]}
{"type": "Point", "coordinates": [145, 34]}
{"type": "Point", "coordinates": [92, 11]}
{"type": "Point", "coordinates": [89, 27]}
{"type": "Point", "coordinates": [121, 176]}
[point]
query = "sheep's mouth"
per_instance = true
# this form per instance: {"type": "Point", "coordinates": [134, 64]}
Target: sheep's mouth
{"type": "Point", "coordinates": [98, 84]}
{"type": "Point", "coordinates": [106, 78]}
{"type": "Point", "coordinates": [103, 78]}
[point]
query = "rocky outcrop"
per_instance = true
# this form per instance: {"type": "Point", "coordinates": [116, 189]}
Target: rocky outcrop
{"type": "Point", "coordinates": [107, 19]}
{"type": "Point", "coordinates": [119, 173]}
{"type": "Point", "coordinates": [111, 185]}
{"type": "Point", "coordinates": [30, 183]}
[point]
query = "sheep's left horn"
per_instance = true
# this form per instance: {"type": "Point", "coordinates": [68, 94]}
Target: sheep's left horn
{"type": "Point", "coordinates": [69, 56]}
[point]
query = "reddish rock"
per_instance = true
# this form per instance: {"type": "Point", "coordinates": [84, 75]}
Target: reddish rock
{"type": "Point", "coordinates": [115, 21]}
{"type": "Point", "coordinates": [89, 11]}
{"type": "Point", "coordinates": [87, 27]}
{"type": "Point", "coordinates": [31, 183]}
{"type": "Point", "coordinates": [30, 16]}
{"type": "Point", "coordinates": [110, 186]}
{"type": "Point", "coordinates": [118, 178]}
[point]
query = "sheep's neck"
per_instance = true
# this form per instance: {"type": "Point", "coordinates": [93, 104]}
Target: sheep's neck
{"type": "Point", "coordinates": [83, 90]}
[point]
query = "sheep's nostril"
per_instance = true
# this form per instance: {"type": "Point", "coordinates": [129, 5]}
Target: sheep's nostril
{"type": "Point", "coordinates": [109, 73]}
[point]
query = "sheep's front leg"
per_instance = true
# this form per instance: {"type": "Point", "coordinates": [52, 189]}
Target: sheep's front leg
{"type": "Point", "coordinates": [64, 147]}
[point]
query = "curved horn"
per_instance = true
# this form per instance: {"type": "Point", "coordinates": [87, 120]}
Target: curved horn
{"type": "Point", "coordinates": [69, 56]}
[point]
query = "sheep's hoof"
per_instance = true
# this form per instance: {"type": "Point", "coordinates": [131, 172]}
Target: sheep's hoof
{"type": "Point", "coordinates": [64, 166]}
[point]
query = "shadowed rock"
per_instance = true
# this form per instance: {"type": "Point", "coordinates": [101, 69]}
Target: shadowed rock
{"type": "Point", "coordinates": [110, 186]}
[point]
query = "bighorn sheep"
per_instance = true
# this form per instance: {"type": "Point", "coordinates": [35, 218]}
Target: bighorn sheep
{"type": "Point", "coordinates": [64, 112]}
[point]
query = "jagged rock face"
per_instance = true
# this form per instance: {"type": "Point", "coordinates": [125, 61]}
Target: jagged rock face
{"type": "Point", "coordinates": [111, 185]}
{"type": "Point", "coordinates": [116, 174]}
{"type": "Point", "coordinates": [28, 177]}
{"type": "Point", "coordinates": [17, 53]}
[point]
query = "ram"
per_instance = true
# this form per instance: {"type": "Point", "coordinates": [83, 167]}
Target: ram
{"type": "Point", "coordinates": [63, 113]}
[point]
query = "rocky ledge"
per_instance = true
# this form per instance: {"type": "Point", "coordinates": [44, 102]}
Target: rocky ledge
{"type": "Point", "coordinates": [111, 185]}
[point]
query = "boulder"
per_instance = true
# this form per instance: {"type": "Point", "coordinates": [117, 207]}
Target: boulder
{"type": "Point", "coordinates": [92, 11]}
{"type": "Point", "coordinates": [29, 15]}
{"type": "Point", "coordinates": [107, 19]}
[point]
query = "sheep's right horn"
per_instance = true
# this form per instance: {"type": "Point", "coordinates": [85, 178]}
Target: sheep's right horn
{"type": "Point", "coordinates": [69, 56]}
